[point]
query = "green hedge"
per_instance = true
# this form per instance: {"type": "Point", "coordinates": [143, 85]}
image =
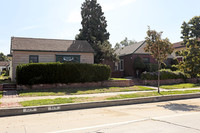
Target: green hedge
{"type": "Point", "coordinates": [49, 73]}
{"type": "Point", "coordinates": [164, 74]}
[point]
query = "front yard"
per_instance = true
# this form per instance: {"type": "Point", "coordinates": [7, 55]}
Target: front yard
{"type": "Point", "coordinates": [1, 94]}
{"type": "Point", "coordinates": [78, 91]}
{"type": "Point", "coordinates": [92, 99]}
{"type": "Point", "coordinates": [180, 86]}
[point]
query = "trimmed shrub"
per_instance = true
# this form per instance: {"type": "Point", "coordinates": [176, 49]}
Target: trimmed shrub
{"type": "Point", "coordinates": [164, 74]}
{"type": "Point", "coordinates": [50, 73]}
{"type": "Point", "coordinates": [151, 67]}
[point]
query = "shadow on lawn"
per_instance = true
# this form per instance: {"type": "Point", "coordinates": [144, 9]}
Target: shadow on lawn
{"type": "Point", "coordinates": [63, 90]}
{"type": "Point", "coordinates": [180, 107]}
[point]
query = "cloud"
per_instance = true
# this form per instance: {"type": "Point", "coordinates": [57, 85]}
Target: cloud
{"type": "Point", "coordinates": [74, 17]}
{"type": "Point", "coordinates": [114, 4]}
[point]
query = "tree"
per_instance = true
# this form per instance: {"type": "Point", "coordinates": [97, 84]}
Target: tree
{"type": "Point", "coordinates": [159, 48]}
{"type": "Point", "coordinates": [94, 30]}
{"type": "Point", "coordinates": [124, 43]}
{"type": "Point", "coordinates": [138, 65]}
{"type": "Point", "coordinates": [3, 57]}
{"type": "Point", "coordinates": [191, 39]}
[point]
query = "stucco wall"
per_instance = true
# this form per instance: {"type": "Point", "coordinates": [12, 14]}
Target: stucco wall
{"type": "Point", "coordinates": [22, 57]}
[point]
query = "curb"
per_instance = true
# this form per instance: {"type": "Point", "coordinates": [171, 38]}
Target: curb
{"type": "Point", "coordinates": [75, 106]}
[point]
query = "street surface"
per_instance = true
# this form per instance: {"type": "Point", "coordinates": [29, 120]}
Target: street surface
{"type": "Point", "coordinates": [181, 116]}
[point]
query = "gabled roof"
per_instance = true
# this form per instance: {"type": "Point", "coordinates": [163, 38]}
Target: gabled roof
{"type": "Point", "coordinates": [4, 63]}
{"type": "Point", "coordinates": [178, 45]}
{"type": "Point", "coordinates": [51, 45]}
{"type": "Point", "coordinates": [131, 49]}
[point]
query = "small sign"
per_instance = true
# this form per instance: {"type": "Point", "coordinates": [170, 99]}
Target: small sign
{"type": "Point", "coordinates": [30, 110]}
{"type": "Point", "coordinates": [54, 108]}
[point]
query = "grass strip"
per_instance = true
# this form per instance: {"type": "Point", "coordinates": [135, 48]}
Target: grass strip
{"type": "Point", "coordinates": [1, 94]}
{"type": "Point", "coordinates": [118, 79]}
{"type": "Point", "coordinates": [91, 99]}
{"type": "Point", "coordinates": [78, 91]}
{"type": "Point", "coordinates": [148, 94]}
{"type": "Point", "coordinates": [51, 101]}
{"type": "Point", "coordinates": [180, 86]}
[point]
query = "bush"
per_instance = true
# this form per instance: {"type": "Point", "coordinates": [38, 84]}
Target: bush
{"type": "Point", "coordinates": [164, 74]}
{"type": "Point", "coordinates": [49, 73]}
{"type": "Point", "coordinates": [151, 67]}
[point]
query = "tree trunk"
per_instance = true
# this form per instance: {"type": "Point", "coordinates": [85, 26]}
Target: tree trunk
{"type": "Point", "coordinates": [158, 77]}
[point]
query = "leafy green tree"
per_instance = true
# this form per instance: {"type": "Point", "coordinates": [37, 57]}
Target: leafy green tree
{"type": "Point", "coordinates": [191, 39]}
{"type": "Point", "coordinates": [159, 48]}
{"type": "Point", "coordinates": [3, 57]}
{"type": "Point", "coordinates": [138, 65]}
{"type": "Point", "coordinates": [124, 43]}
{"type": "Point", "coordinates": [94, 30]}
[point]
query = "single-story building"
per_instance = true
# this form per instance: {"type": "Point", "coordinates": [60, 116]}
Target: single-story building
{"type": "Point", "coordinates": [40, 50]}
{"type": "Point", "coordinates": [127, 55]}
{"type": "Point", "coordinates": [4, 66]}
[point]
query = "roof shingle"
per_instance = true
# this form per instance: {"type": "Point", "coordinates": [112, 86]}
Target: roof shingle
{"type": "Point", "coordinates": [134, 48]}
{"type": "Point", "coordinates": [40, 44]}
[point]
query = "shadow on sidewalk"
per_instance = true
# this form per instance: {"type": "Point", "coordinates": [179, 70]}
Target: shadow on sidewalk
{"type": "Point", "coordinates": [180, 107]}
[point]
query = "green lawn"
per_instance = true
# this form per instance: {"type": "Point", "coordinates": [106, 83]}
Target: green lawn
{"type": "Point", "coordinates": [118, 79]}
{"type": "Point", "coordinates": [180, 86]}
{"type": "Point", "coordinates": [3, 77]}
{"type": "Point", "coordinates": [1, 94]}
{"type": "Point", "coordinates": [78, 91]}
{"type": "Point", "coordinates": [50, 101]}
{"type": "Point", "coordinates": [147, 94]}
{"type": "Point", "coordinates": [90, 99]}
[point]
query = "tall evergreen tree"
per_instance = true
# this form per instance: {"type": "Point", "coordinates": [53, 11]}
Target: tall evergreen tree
{"type": "Point", "coordinates": [94, 30]}
{"type": "Point", "coordinates": [191, 39]}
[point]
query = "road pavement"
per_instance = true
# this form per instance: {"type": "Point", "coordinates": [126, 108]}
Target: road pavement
{"type": "Point", "coordinates": [167, 117]}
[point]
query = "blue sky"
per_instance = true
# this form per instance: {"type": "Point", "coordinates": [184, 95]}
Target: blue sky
{"type": "Point", "coordinates": [61, 19]}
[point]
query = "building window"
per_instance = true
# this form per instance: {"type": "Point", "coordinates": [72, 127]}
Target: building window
{"type": "Point", "coordinates": [68, 58]}
{"type": "Point", "coordinates": [121, 65]}
{"type": "Point", "coordinates": [33, 58]}
{"type": "Point", "coordinates": [146, 60]}
{"type": "Point", "coordinates": [116, 66]}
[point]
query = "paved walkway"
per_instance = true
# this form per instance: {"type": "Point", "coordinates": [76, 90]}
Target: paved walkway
{"type": "Point", "coordinates": [11, 99]}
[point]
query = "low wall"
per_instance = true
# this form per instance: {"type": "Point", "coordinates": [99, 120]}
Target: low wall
{"type": "Point", "coordinates": [109, 83]}
{"type": "Point", "coordinates": [164, 82]}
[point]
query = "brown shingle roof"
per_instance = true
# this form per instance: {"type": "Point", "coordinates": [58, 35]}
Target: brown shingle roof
{"type": "Point", "coordinates": [4, 63]}
{"type": "Point", "coordinates": [137, 48]}
{"type": "Point", "coordinates": [129, 49]}
{"type": "Point", "coordinates": [39, 44]}
{"type": "Point", "coordinates": [178, 45]}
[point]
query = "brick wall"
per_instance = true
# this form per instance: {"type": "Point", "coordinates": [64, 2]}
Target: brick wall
{"type": "Point", "coordinates": [162, 82]}
{"type": "Point", "coordinates": [111, 83]}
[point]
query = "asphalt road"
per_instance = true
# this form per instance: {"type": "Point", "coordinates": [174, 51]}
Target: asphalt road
{"type": "Point", "coordinates": [161, 117]}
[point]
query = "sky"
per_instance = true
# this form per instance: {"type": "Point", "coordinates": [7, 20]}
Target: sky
{"type": "Point", "coordinates": [61, 19]}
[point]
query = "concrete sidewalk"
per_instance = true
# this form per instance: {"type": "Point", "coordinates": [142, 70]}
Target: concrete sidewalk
{"type": "Point", "coordinates": [12, 101]}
